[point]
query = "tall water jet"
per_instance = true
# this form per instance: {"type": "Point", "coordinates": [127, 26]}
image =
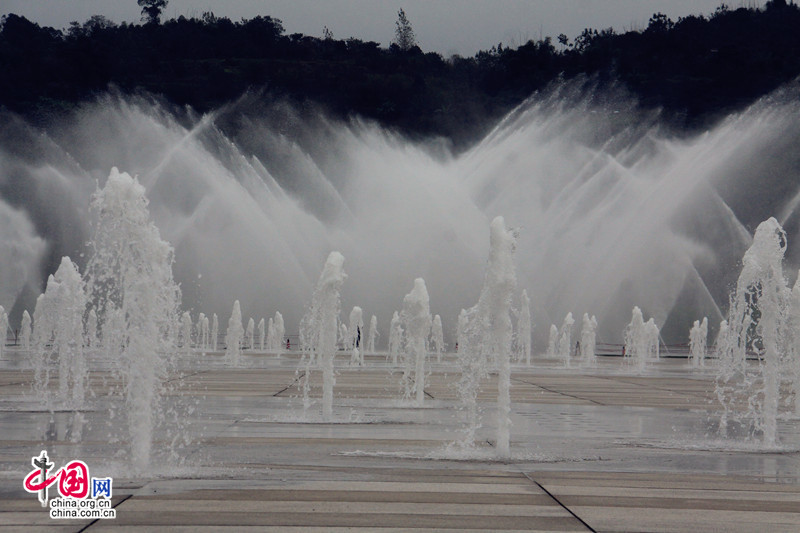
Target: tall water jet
{"type": "Point", "coordinates": [280, 332]}
{"type": "Point", "coordinates": [354, 336]}
{"type": "Point", "coordinates": [272, 340]}
{"type": "Point", "coordinates": [112, 332]}
{"type": "Point", "coordinates": [588, 354]}
{"type": "Point", "coordinates": [91, 328]}
{"type": "Point", "coordinates": [416, 320]}
{"type": "Point", "coordinates": [373, 334]}
{"type": "Point", "coordinates": [722, 337]}
{"type": "Point", "coordinates": [698, 342]}
{"type": "Point", "coordinates": [792, 339]}
{"type": "Point", "coordinates": [130, 273]}
{"type": "Point", "coordinates": [249, 332]}
{"type": "Point", "coordinates": [756, 320]}
{"type": "Point", "coordinates": [234, 335]}
{"type": "Point", "coordinates": [524, 327]}
{"type": "Point", "coordinates": [461, 329]}
{"type": "Point", "coordinates": [25, 331]}
{"type": "Point", "coordinates": [261, 334]}
{"type": "Point", "coordinates": [214, 332]}
{"type": "Point", "coordinates": [565, 339]}
{"type": "Point", "coordinates": [488, 335]}
{"type": "Point", "coordinates": [552, 341]}
{"type": "Point", "coordinates": [68, 301]}
{"type": "Point", "coordinates": [3, 329]}
{"type": "Point", "coordinates": [318, 327]}
{"type": "Point", "coordinates": [395, 337]}
{"type": "Point", "coordinates": [205, 330]}
{"type": "Point", "coordinates": [652, 342]}
{"type": "Point", "coordinates": [41, 335]}
{"type": "Point", "coordinates": [202, 331]}
{"type": "Point", "coordinates": [437, 337]}
{"type": "Point", "coordinates": [186, 332]}
{"type": "Point", "coordinates": [641, 340]}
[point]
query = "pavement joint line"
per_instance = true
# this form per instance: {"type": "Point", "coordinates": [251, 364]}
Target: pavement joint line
{"type": "Point", "coordinates": [290, 385]}
{"type": "Point", "coordinates": [567, 509]}
{"type": "Point", "coordinates": [557, 392]}
{"type": "Point", "coordinates": [15, 384]}
{"type": "Point", "coordinates": [93, 522]}
{"type": "Point", "coordinates": [681, 393]}
{"type": "Point", "coordinates": [180, 378]}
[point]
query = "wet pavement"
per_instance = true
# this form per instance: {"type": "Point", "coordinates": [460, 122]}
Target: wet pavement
{"type": "Point", "coordinates": [592, 449]}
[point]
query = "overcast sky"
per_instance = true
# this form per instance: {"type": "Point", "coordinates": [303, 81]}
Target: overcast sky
{"type": "Point", "coordinates": [444, 26]}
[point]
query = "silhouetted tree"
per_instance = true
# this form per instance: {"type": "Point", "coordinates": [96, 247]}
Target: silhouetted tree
{"type": "Point", "coordinates": [696, 68]}
{"type": "Point", "coordinates": [151, 10]}
{"type": "Point", "coordinates": [404, 36]}
{"type": "Point", "coordinates": [659, 23]}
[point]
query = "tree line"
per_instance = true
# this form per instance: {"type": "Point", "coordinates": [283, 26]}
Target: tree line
{"type": "Point", "coordinates": [696, 68]}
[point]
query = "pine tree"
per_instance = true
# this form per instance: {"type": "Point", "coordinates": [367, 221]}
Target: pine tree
{"type": "Point", "coordinates": [404, 36]}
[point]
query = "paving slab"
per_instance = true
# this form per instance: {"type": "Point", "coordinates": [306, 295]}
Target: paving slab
{"type": "Point", "coordinates": [592, 449]}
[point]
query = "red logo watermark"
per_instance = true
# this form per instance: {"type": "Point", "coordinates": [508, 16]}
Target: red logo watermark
{"type": "Point", "coordinates": [74, 486]}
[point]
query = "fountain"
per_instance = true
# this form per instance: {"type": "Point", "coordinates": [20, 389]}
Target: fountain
{"type": "Point", "coordinates": [205, 333]}
{"type": "Point", "coordinates": [129, 275]}
{"type": "Point", "coordinates": [487, 336]}
{"type": "Point", "coordinates": [249, 332]}
{"type": "Point", "coordinates": [792, 340]}
{"type": "Point", "coordinates": [641, 340]}
{"type": "Point", "coordinates": [461, 329]}
{"type": "Point", "coordinates": [3, 329]}
{"type": "Point", "coordinates": [588, 340]}
{"type": "Point", "coordinates": [234, 335]}
{"type": "Point", "coordinates": [524, 327]}
{"type": "Point", "coordinates": [652, 343]}
{"type": "Point", "coordinates": [25, 331]}
{"type": "Point", "coordinates": [757, 321]}
{"type": "Point", "coordinates": [272, 341]}
{"type": "Point", "coordinates": [186, 332]}
{"type": "Point", "coordinates": [395, 337]}
{"type": "Point", "coordinates": [41, 334]}
{"type": "Point", "coordinates": [698, 342]}
{"type": "Point", "coordinates": [564, 346]}
{"type": "Point", "coordinates": [416, 322]}
{"type": "Point", "coordinates": [437, 337]}
{"type": "Point", "coordinates": [344, 335]}
{"type": "Point", "coordinates": [552, 341]}
{"type": "Point", "coordinates": [214, 332]}
{"type": "Point", "coordinates": [279, 332]}
{"type": "Point", "coordinates": [91, 327]}
{"type": "Point", "coordinates": [611, 192]}
{"type": "Point", "coordinates": [354, 336]}
{"type": "Point", "coordinates": [318, 327]}
{"type": "Point", "coordinates": [373, 334]}
{"type": "Point", "coordinates": [261, 334]}
{"type": "Point", "coordinates": [722, 336]}
{"type": "Point", "coordinates": [607, 177]}
{"type": "Point", "coordinates": [67, 301]}
{"type": "Point", "coordinates": [202, 331]}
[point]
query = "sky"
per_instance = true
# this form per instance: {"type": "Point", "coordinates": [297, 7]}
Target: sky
{"type": "Point", "coordinates": [446, 26]}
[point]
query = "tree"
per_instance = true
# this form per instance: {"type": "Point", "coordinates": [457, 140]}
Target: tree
{"type": "Point", "coordinates": [151, 10]}
{"type": "Point", "coordinates": [404, 36]}
{"type": "Point", "coordinates": [659, 23]}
